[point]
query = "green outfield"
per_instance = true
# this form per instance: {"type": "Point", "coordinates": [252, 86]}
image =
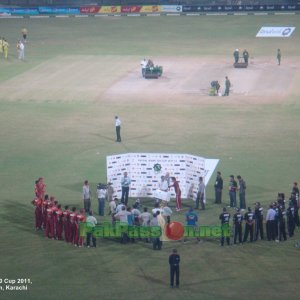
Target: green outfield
{"type": "Point", "coordinates": [57, 121]}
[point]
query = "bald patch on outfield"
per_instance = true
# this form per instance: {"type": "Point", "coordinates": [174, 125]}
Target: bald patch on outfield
{"type": "Point", "coordinates": [184, 80]}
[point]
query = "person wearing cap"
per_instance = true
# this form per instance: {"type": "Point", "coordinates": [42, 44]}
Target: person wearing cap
{"type": "Point", "coordinates": [218, 188]}
{"type": "Point", "coordinates": [174, 260]}
{"type": "Point", "coordinates": [86, 196]}
{"type": "Point", "coordinates": [232, 191]}
{"type": "Point", "coordinates": [259, 217]}
{"type": "Point", "coordinates": [242, 192]}
{"type": "Point", "coordinates": [236, 55]}
{"type": "Point", "coordinates": [249, 219]}
{"type": "Point", "coordinates": [118, 128]}
{"type": "Point", "coordinates": [237, 223]}
{"type": "Point", "coordinates": [224, 218]}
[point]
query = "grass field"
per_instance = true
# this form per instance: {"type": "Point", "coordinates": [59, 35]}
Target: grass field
{"type": "Point", "coordinates": [57, 121]}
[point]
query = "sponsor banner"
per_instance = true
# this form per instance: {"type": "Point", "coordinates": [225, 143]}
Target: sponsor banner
{"type": "Point", "coordinates": [141, 9]}
{"type": "Point", "coordinates": [4, 10]}
{"type": "Point", "coordinates": [89, 9]}
{"type": "Point", "coordinates": [131, 9]}
{"type": "Point", "coordinates": [275, 32]}
{"type": "Point", "coordinates": [146, 169]}
{"type": "Point", "coordinates": [109, 9]}
{"type": "Point", "coordinates": [171, 8]}
{"type": "Point", "coordinates": [59, 10]}
{"type": "Point", "coordinates": [150, 9]}
{"type": "Point", "coordinates": [24, 11]}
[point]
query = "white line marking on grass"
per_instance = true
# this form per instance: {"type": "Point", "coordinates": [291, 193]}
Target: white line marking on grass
{"type": "Point", "coordinates": [284, 13]}
{"type": "Point", "coordinates": [191, 15]}
{"type": "Point", "coordinates": [81, 16]}
{"type": "Point", "coordinates": [133, 15]}
{"type": "Point", "coordinates": [153, 15]}
{"type": "Point", "coordinates": [173, 15]}
{"type": "Point", "coordinates": [62, 16]}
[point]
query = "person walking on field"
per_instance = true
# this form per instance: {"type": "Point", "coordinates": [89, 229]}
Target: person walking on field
{"type": "Point", "coordinates": [278, 56]}
{"type": "Point", "coordinates": [218, 188]}
{"type": "Point", "coordinates": [227, 86]}
{"type": "Point", "coordinates": [174, 260]}
{"type": "Point", "coordinates": [201, 194]}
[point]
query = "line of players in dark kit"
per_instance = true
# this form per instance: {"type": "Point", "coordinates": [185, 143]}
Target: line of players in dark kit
{"type": "Point", "coordinates": [279, 220]}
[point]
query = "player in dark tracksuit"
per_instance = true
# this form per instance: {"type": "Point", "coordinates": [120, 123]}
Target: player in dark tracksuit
{"type": "Point", "coordinates": [249, 219]}
{"type": "Point", "coordinates": [174, 260]}
{"type": "Point", "coordinates": [218, 188]}
{"type": "Point", "coordinates": [291, 219]}
{"type": "Point", "coordinates": [225, 217]}
{"type": "Point", "coordinates": [237, 223]}
{"type": "Point", "coordinates": [281, 223]}
{"type": "Point", "coordinates": [259, 216]}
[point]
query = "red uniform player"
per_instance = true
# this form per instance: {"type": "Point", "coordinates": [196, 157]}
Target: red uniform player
{"type": "Point", "coordinates": [40, 188]}
{"type": "Point", "coordinates": [45, 204]}
{"type": "Point", "coordinates": [53, 219]}
{"type": "Point", "coordinates": [74, 225]}
{"type": "Point", "coordinates": [38, 213]}
{"type": "Point", "coordinates": [66, 223]}
{"type": "Point", "coordinates": [58, 223]}
{"type": "Point", "coordinates": [177, 192]}
{"type": "Point", "coordinates": [49, 220]}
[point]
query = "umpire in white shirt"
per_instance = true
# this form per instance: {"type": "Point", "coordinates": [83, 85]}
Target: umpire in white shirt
{"type": "Point", "coordinates": [118, 129]}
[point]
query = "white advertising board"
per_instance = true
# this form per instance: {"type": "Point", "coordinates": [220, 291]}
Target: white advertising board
{"type": "Point", "coordinates": [275, 31]}
{"type": "Point", "coordinates": [145, 177]}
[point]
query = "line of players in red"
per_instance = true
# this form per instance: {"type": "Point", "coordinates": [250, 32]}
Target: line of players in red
{"type": "Point", "coordinates": [57, 223]}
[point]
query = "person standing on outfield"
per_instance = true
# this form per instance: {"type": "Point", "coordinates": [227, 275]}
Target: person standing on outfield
{"type": "Point", "coordinates": [125, 183]}
{"type": "Point", "coordinates": [246, 56]}
{"type": "Point", "coordinates": [249, 219]}
{"type": "Point", "coordinates": [237, 222]}
{"type": "Point", "coordinates": [176, 187]}
{"type": "Point", "coordinates": [5, 46]}
{"type": "Point", "coordinates": [24, 32]}
{"type": "Point", "coordinates": [91, 223]}
{"type": "Point", "coordinates": [224, 218]}
{"type": "Point", "coordinates": [218, 188]}
{"type": "Point", "coordinates": [232, 191]}
{"type": "Point", "coordinates": [227, 86]}
{"type": "Point", "coordinates": [101, 195]}
{"type": "Point", "coordinates": [236, 55]}
{"type": "Point", "coordinates": [259, 217]}
{"type": "Point", "coordinates": [242, 192]}
{"type": "Point", "coordinates": [174, 260]}
{"type": "Point", "coordinates": [118, 128]}
{"type": "Point", "coordinates": [21, 50]}
{"type": "Point", "coordinates": [201, 194]}
{"type": "Point", "coordinates": [270, 223]}
{"type": "Point", "coordinates": [279, 56]}
{"type": "Point", "coordinates": [86, 196]}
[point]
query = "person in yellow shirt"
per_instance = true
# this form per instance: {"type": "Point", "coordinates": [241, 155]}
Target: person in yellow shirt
{"type": "Point", "coordinates": [5, 46]}
{"type": "Point", "coordinates": [1, 45]}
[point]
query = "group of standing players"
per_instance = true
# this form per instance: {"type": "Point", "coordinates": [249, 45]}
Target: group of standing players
{"type": "Point", "coordinates": [58, 223]}
{"type": "Point", "coordinates": [280, 220]}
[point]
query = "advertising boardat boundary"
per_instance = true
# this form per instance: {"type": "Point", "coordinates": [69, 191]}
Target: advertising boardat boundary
{"type": "Point", "coordinates": [275, 31]}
